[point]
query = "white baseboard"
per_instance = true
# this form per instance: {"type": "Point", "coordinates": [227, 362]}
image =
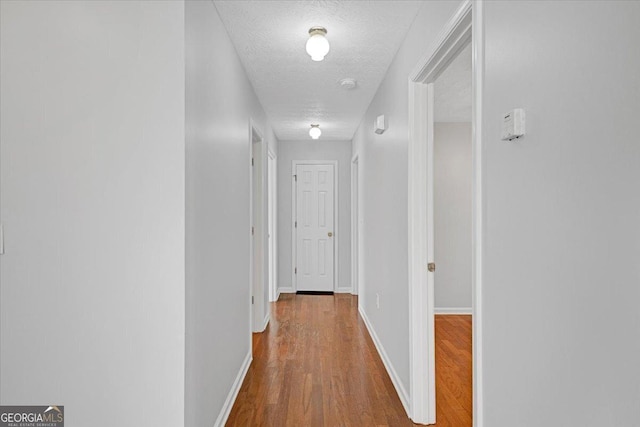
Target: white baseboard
{"type": "Point", "coordinates": [344, 289]}
{"type": "Point", "coordinates": [233, 393]}
{"type": "Point", "coordinates": [266, 321]}
{"type": "Point", "coordinates": [395, 379]}
{"type": "Point", "coordinates": [287, 290]}
{"type": "Point", "coordinates": [453, 310]}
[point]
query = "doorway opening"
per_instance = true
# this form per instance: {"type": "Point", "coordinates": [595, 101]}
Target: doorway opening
{"type": "Point", "coordinates": [463, 30]}
{"type": "Point", "coordinates": [452, 241]}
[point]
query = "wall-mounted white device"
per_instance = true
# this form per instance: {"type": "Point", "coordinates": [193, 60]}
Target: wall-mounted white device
{"type": "Point", "coordinates": [513, 124]}
{"type": "Point", "coordinates": [380, 124]}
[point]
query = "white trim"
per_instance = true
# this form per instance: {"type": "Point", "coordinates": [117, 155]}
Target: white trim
{"type": "Point", "coordinates": [343, 290]}
{"type": "Point", "coordinates": [451, 40]}
{"type": "Point", "coordinates": [233, 393]}
{"type": "Point", "coordinates": [286, 290]}
{"type": "Point", "coordinates": [465, 26]}
{"type": "Point", "coordinates": [477, 85]}
{"type": "Point", "coordinates": [294, 164]}
{"type": "Point", "coordinates": [251, 249]}
{"type": "Point", "coordinates": [265, 322]}
{"type": "Point", "coordinates": [355, 229]}
{"type": "Point", "coordinates": [257, 307]}
{"type": "Point", "coordinates": [272, 199]}
{"type": "Point", "coordinates": [454, 310]}
{"type": "Point", "coordinates": [294, 209]}
{"type": "Point", "coordinates": [395, 379]}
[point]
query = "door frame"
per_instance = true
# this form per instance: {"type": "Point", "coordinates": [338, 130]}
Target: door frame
{"type": "Point", "coordinates": [272, 214]}
{"type": "Point", "coordinates": [294, 211]}
{"type": "Point", "coordinates": [259, 316]}
{"type": "Point", "coordinates": [355, 226]}
{"type": "Point", "coordinates": [466, 26]}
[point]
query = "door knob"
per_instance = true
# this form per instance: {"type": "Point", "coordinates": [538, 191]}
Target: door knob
{"type": "Point", "coordinates": [431, 267]}
{"type": "Point", "coordinates": [330, 234]}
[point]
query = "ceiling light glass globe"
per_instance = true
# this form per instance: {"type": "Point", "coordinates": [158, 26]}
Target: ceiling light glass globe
{"type": "Point", "coordinates": [317, 47]}
{"type": "Point", "coordinates": [315, 132]}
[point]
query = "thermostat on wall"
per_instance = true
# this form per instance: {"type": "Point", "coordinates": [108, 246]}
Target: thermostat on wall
{"type": "Point", "coordinates": [513, 124]}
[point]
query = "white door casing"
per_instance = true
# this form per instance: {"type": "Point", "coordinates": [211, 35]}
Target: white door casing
{"type": "Point", "coordinates": [272, 220]}
{"type": "Point", "coordinates": [465, 26]}
{"type": "Point", "coordinates": [314, 230]}
{"type": "Point", "coordinates": [258, 231]}
{"type": "Point", "coordinates": [355, 227]}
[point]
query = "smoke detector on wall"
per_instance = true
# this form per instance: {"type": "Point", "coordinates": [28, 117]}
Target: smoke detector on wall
{"type": "Point", "coordinates": [348, 83]}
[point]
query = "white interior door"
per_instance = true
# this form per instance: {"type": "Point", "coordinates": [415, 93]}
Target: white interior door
{"type": "Point", "coordinates": [315, 228]}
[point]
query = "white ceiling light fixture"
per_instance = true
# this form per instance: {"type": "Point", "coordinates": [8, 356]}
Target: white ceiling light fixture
{"type": "Point", "coordinates": [317, 45]}
{"type": "Point", "coordinates": [315, 132]}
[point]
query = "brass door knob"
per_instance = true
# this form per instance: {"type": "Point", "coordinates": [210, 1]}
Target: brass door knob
{"type": "Point", "coordinates": [330, 234]}
{"type": "Point", "coordinates": [431, 267]}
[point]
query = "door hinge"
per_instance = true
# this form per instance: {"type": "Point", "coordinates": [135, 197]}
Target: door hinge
{"type": "Point", "coordinates": [295, 270]}
{"type": "Point", "coordinates": [253, 230]}
{"type": "Point", "coordinates": [296, 224]}
{"type": "Point", "coordinates": [251, 299]}
{"type": "Point", "coordinates": [295, 177]}
{"type": "Point", "coordinates": [252, 161]}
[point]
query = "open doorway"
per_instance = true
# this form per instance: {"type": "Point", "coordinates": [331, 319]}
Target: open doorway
{"type": "Point", "coordinates": [452, 202]}
{"type": "Point", "coordinates": [463, 33]}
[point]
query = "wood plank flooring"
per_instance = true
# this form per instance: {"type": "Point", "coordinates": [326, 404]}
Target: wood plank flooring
{"type": "Point", "coordinates": [453, 371]}
{"type": "Point", "coordinates": [316, 365]}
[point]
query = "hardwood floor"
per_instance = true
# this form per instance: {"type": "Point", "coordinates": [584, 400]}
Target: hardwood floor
{"type": "Point", "coordinates": [453, 371]}
{"type": "Point", "coordinates": [316, 365]}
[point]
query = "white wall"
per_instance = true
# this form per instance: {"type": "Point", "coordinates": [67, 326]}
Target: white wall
{"type": "Point", "coordinates": [314, 150]}
{"type": "Point", "coordinates": [452, 216]}
{"type": "Point", "coordinates": [220, 103]}
{"type": "Point", "coordinates": [383, 196]}
{"type": "Point", "coordinates": [92, 147]}
{"type": "Point", "coordinates": [562, 211]}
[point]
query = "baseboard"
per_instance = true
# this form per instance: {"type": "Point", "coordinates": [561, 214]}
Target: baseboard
{"type": "Point", "coordinates": [339, 290]}
{"type": "Point", "coordinates": [453, 310]}
{"type": "Point", "coordinates": [288, 290]}
{"type": "Point", "coordinates": [266, 321]}
{"type": "Point", "coordinates": [395, 379]}
{"type": "Point", "coordinates": [233, 393]}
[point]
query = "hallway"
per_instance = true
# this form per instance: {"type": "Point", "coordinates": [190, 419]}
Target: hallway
{"type": "Point", "coordinates": [315, 365]}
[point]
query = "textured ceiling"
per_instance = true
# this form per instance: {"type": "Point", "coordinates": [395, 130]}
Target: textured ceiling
{"type": "Point", "coordinates": [270, 38]}
{"type": "Point", "coordinates": [452, 95]}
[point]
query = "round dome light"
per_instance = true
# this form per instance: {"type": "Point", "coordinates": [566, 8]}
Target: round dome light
{"type": "Point", "coordinates": [317, 45]}
{"type": "Point", "coordinates": [315, 132]}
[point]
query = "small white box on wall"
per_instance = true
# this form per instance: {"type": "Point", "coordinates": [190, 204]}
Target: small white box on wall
{"type": "Point", "coordinates": [380, 124]}
{"type": "Point", "coordinates": [513, 124]}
